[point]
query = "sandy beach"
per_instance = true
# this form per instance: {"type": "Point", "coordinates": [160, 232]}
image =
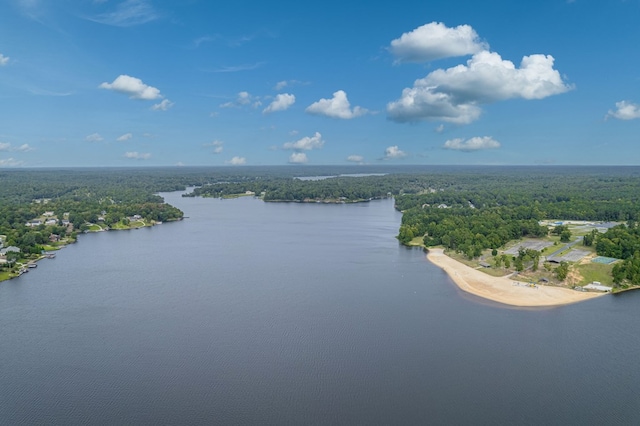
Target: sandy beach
{"type": "Point", "coordinates": [501, 289]}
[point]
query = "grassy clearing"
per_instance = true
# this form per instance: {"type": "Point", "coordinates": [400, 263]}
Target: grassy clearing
{"type": "Point", "coordinates": [595, 272]}
{"type": "Point", "coordinates": [416, 242]}
{"type": "Point", "coordinates": [134, 224]}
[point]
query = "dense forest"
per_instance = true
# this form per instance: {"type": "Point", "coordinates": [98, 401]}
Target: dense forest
{"type": "Point", "coordinates": [489, 210]}
{"type": "Point", "coordinates": [466, 209]}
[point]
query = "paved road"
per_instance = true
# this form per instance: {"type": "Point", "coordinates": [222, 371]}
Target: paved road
{"type": "Point", "coordinates": [565, 247]}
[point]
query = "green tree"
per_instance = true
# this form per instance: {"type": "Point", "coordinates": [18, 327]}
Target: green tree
{"type": "Point", "coordinates": [562, 271]}
{"type": "Point", "coordinates": [519, 264]}
{"type": "Point", "coordinates": [405, 235]}
{"type": "Point", "coordinates": [588, 239]}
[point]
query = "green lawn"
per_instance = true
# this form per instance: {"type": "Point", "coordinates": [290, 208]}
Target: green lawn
{"type": "Point", "coordinates": [132, 225]}
{"type": "Point", "coordinates": [416, 241]}
{"type": "Point", "coordinates": [595, 272]}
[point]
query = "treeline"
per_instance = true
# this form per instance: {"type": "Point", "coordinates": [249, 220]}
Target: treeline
{"type": "Point", "coordinates": [294, 189]}
{"type": "Point", "coordinates": [471, 213]}
{"type": "Point", "coordinates": [622, 242]}
{"type": "Point", "coordinates": [467, 230]}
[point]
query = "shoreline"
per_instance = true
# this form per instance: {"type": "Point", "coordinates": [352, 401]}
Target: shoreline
{"type": "Point", "coordinates": [26, 263]}
{"type": "Point", "coordinates": [501, 289]}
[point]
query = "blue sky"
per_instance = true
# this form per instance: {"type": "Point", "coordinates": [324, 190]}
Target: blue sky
{"type": "Point", "coordinates": [163, 83]}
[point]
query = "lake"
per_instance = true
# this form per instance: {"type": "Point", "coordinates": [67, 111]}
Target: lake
{"type": "Point", "coordinates": [283, 313]}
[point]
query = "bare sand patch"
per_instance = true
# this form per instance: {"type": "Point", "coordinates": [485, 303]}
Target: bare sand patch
{"type": "Point", "coordinates": [502, 289]}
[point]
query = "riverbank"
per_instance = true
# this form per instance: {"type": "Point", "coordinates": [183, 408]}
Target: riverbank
{"type": "Point", "coordinates": [502, 289]}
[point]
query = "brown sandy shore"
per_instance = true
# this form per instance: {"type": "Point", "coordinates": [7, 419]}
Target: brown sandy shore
{"type": "Point", "coordinates": [501, 289]}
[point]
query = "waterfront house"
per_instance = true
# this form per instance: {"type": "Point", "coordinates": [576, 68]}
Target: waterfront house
{"type": "Point", "coordinates": [13, 249]}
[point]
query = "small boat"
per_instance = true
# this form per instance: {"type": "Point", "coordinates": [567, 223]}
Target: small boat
{"type": "Point", "coordinates": [33, 265]}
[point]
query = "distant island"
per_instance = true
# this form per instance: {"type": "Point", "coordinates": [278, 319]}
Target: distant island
{"type": "Point", "coordinates": [571, 228]}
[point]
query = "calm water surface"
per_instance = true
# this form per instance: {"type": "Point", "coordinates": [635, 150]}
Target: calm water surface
{"type": "Point", "coordinates": [265, 313]}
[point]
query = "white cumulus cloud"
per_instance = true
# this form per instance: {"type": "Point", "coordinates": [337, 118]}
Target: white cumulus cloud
{"type": "Point", "coordinates": [473, 144]}
{"type": "Point", "coordinates": [10, 162]}
{"type": "Point", "coordinates": [4, 60]}
{"type": "Point", "coordinates": [162, 106]}
{"type": "Point", "coordinates": [393, 152]}
{"type": "Point", "coordinates": [237, 161]}
{"type": "Point", "coordinates": [436, 41]}
{"type": "Point", "coordinates": [336, 107]}
{"type": "Point", "coordinates": [298, 158]}
{"type": "Point", "coordinates": [133, 87]}
{"type": "Point", "coordinates": [281, 102]}
{"type": "Point", "coordinates": [7, 147]}
{"type": "Point", "coordinates": [218, 146]}
{"type": "Point", "coordinates": [355, 158]}
{"type": "Point", "coordinates": [455, 94]}
{"type": "Point", "coordinates": [625, 110]}
{"type": "Point", "coordinates": [125, 137]}
{"type": "Point", "coordinates": [94, 137]}
{"type": "Point", "coordinates": [24, 148]}
{"type": "Point", "coordinates": [134, 155]}
{"type": "Point", "coordinates": [306, 144]}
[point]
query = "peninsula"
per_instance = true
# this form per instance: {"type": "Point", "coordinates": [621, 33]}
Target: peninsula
{"type": "Point", "coordinates": [503, 289]}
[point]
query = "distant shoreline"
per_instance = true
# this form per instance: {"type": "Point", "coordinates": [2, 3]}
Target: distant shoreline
{"type": "Point", "coordinates": [502, 289]}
